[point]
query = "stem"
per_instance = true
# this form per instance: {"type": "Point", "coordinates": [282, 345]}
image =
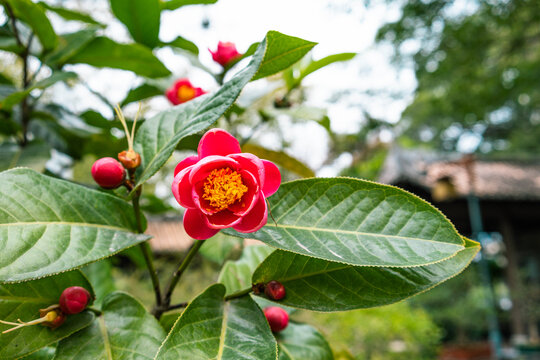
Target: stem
{"type": "Point", "coordinates": [238, 294]}
{"type": "Point", "coordinates": [94, 310]}
{"type": "Point", "coordinates": [176, 277]}
{"type": "Point", "coordinates": [147, 252]}
{"type": "Point", "coordinates": [177, 306]}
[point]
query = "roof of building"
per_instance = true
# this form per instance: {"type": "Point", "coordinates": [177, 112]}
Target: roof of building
{"type": "Point", "coordinates": [497, 180]}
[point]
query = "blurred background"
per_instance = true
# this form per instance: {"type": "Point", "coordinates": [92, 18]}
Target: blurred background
{"type": "Point", "coordinates": [439, 97]}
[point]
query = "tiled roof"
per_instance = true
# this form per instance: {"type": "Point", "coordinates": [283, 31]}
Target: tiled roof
{"type": "Point", "coordinates": [500, 180]}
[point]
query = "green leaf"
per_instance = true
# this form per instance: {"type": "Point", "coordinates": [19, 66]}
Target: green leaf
{"type": "Point", "coordinates": [68, 14]}
{"type": "Point", "coordinates": [33, 155]}
{"type": "Point", "coordinates": [23, 301]}
{"type": "Point", "coordinates": [302, 341]}
{"type": "Point", "coordinates": [124, 331]}
{"type": "Point", "coordinates": [49, 226]}
{"type": "Point", "coordinates": [33, 15]}
{"type": "Point", "coordinates": [141, 18]}
{"type": "Point", "coordinates": [100, 276]}
{"type": "Point", "coordinates": [219, 249]}
{"type": "Point", "coordinates": [18, 96]}
{"type": "Point", "coordinates": [142, 92]}
{"type": "Point", "coordinates": [280, 158]}
{"type": "Point", "coordinates": [46, 353]}
{"type": "Point", "coordinates": [357, 222]}
{"type": "Point", "coordinates": [321, 285]}
{"type": "Point", "coordinates": [282, 52]}
{"type": "Point", "coordinates": [69, 45]}
{"type": "Point", "coordinates": [211, 328]}
{"type": "Point", "coordinates": [236, 275]}
{"type": "Point", "coordinates": [103, 52]}
{"type": "Point", "coordinates": [318, 64]}
{"type": "Point", "coordinates": [183, 43]}
{"type": "Point", "coordinates": [157, 138]}
{"type": "Point", "coordinates": [175, 4]}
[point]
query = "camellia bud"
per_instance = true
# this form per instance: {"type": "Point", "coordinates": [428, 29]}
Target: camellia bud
{"type": "Point", "coordinates": [278, 319]}
{"type": "Point", "coordinates": [275, 290]}
{"type": "Point", "coordinates": [74, 299]}
{"type": "Point", "coordinates": [130, 159]}
{"type": "Point", "coordinates": [108, 173]}
{"type": "Point", "coordinates": [53, 318]}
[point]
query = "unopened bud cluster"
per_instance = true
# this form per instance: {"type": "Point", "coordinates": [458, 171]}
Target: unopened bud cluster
{"type": "Point", "coordinates": [73, 300]}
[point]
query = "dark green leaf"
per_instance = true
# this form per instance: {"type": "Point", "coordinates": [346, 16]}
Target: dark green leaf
{"type": "Point", "coordinates": [103, 52]}
{"type": "Point", "coordinates": [210, 328]}
{"type": "Point", "coordinates": [219, 249]}
{"type": "Point", "coordinates": [100, 276]}
{"type": "Point", "coordinates": [280, 158]}
{"type": "Point", "coordinates": [49, 226]}
{"type": "Point", "coordinates": [175, 4]}
{"type": "Point", "coordinates": [357, 222]}
{"type": "Point", "coordinates": [282, 52]}
{"type": "Point", "coordinates": [236, 275]}
{"type": "Point", "coordinates": [321, 285]}
{"type": "Point", "coordinates": [158, 137]}
{"type": "Point", "coordinates": [141, 18]}
{"type": "Point", "coordinates": [33, 15]}
{"type": "Point", "coordinates": [46, 353]}
{"type": "Point", "coordinates": [124, 331]}
{"type": "Point", "coordinates": [18, 96]}
{"type": "Point", "coordinates": [33, 155]}
{"type": "Point", "coordinates": [23, 301]}
{"type": "Point", "coordinates": [142, 92]}
{"type": "Point", "coordinates": [183, 43]}
{"type": "Point", "coordinates": [302, 341]}
{"type": "Point", "coordinates": [68, 45]}
{"type": "Point", "coordinates": [68, 14]}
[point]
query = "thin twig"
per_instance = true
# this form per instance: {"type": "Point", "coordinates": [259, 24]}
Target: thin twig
{"type": "Point", "coordinates": [176, 277]}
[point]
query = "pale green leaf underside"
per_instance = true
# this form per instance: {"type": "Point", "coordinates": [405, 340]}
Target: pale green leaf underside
{"type": "Point", "coordinates": [49, 226]}
{"type": "Point", "coordinates": [236, 275]}
{"type": "Point", "coordinates": [124, 331]}
{"type": "Point", "coordinates": [302, 341]}
{"type": "Point", "coordinates": [321, 285]}
{"type": "Point", "coordinates": [23, 301]}
{"type": "Point", "coordinates": [157, 138]}
{"type": "Point", "coordinates": [357, 222]}
{"type": "Point", "coordinates": [211, 328]}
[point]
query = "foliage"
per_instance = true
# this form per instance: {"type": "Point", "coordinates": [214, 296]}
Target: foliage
{"type": "Point", "coordinates": [337, 243]}
{"type": "Point", "coordinates": [475, 67]}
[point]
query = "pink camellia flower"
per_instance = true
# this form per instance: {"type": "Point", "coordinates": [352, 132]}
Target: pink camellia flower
{"type": "Point", "coordinates": [183, 91]}
{"type": "Point", "coordinates": [222, 187]}
{"type": "Point", "coordinates": [225, 53]}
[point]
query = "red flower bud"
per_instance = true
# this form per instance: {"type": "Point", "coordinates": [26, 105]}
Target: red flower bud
{"type": "Point", "coordinates": [74, 300]}
{"type": "Point", "coordinates": [278, 319]}
{"type": "Point", "coordinates": [108, 173]}
{"type": "Point", "coordinates": [275, 290]}
{"type": "Point", "coordinates": [225, 53]}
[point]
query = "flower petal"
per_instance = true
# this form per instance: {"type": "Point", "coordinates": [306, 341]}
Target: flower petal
{"type": "Point", "coordinates": [181, 189]}
{"type": "Point", "coordinates": [218, 142]}
{"type": "Point", "coordinates": [247, 202]}
{"type": "Point", "coordinates": [272, 178]}
{"type": "Point", "coordinates": [255, 219]}
{"type": "Point", "coordinates": [196, 225]}
{"type": "Point", "coordinates": [204, 166]}
{"type": "Point", "coordinates": [190, 160]}
{"type": "Point", "coordinates": [252, 164]}
{"type": "Point", "coordinates": [222, 219]}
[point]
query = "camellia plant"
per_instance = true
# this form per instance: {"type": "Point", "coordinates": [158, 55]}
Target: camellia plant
{"type": "Point", "coordinates": [331, 244]}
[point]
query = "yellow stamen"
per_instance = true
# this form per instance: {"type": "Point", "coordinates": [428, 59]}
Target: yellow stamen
{"type": "Point", "coordinates": [186, 93]}
{"type": "Point", "coordinates": [223, 187]}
